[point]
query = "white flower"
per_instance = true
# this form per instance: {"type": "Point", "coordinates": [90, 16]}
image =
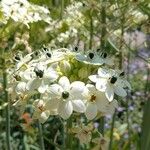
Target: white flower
{"type": "Point", "coordinates": [40, 111]}
{"type": "Point", "coordinates": [94, 58]}
{"type": "Point", "coordinates": [110, 82]}
{"type": "Point", "coordinates": [21, 88]}
{"type": "Point", "coordinates": [40, 77]}
{"type": "Point", "coordinates": [83, 133]}
{"type": "Point", "coordinates": [22, 60]}
{"type": "Point", "coordinates": [97, 102]}
{"type": "Point", "coordinates": [102, 143]}
{"type": "Point", "coordinates": [48, 56]}
{"type": "Point", "coordinates": [69, 95]}
{"type": "Point", "coordinates": [24, 12]}
{"type": "Point", "coordinates": [54, 55]}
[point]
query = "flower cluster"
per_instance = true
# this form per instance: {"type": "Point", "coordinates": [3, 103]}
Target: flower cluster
{"type": "Point", "coordinates": [24, 12]}
{"type": "Point", "coordinates": [68, 27]}
{"type": "Point", "coordinates": [55, 92]}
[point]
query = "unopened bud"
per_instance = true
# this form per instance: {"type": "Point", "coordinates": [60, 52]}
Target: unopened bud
{"type": "Point", "coordinates": [83, 73]}
{"type": "Point", "coordinates": [65, 66]}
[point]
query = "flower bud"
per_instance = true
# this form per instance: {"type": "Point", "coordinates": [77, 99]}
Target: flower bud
{"type": "Point", "coordinates": [65, 66]}
{"type": "Point", "coordinates": [83, 73]}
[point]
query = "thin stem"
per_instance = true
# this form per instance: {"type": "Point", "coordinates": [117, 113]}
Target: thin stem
{"type": "Point", "coordinates": [147, 86]}
{"type": "Point", "coordinates": [103, 21]}
{"type": "Point", "coordinates": [52, 143]}
{"type": "Point", "coordinates": [101, 126]}
{"type": "Point", "coordinates": [127, 101]}
{"type": "Point", "coordinates": [7, 108]}
{"type": "Point", "coordinates": [91, 30]}
{"type": "Point", "coordinates": [112, 130]}
{"type": "Point", "coordinates": [62, 9]}
{"type": "Point", "coordinates": [69, 136]}
{"type": "Point", "coordinates": [42, 147]}
{"type": "Point", "coordinates": [63, 135]}
{"type": "Point", "coordinates": [103, 41]}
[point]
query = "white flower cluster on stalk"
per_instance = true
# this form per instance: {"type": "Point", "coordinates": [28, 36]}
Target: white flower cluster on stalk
{"type": "Point", "coordinates": [68, 27]}
{"type": "Point", "coordinates": [24, 12]}
{"type": "Point", "coordinates": [47, 76]}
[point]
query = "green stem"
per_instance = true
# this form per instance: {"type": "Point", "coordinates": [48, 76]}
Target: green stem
{"type": "Point", "coordinates": [69, 139]}
{"type": "Point", "coordinates": [103, 21]}
{"type": "Point", "coordinates": [91, 30]}
{"type": "Point", "coordinates": [63, 134]}
{"type": "Point", "coordinates": [145, 136]}
{"type": "Point", "coordinates": [112, 130]}
{"type": "Point", "coordinates": [127, 101]}
{"type": "Point", "coordinates": [62, 9]}
{"type": "Point", "coordinates": [101, 126]}
{"type": "Point", "coordinates": [7, 108]}
{"type": "Point", "coordinates": [103, 41]}
{"type": "Point", "coordinates": [42, 147]}
{"type": "Point", "coordinates": [52, 143]}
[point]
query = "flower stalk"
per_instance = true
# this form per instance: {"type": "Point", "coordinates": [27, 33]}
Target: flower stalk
{"type": "Point", "coordinates": [7, 108]}
{"type": "Point", "coordinates": [42, 147]}
{"type": "Point", "coordinates": [62, 9]}
{"type": "Point", "coordinates": [103, 21]}
{"type": "Point", "coordinates": [112, 129]}
{"type": "Point", "coordinates": [69, 138]}
{"type": "Point", "coordinates": [103, 41]}
{"type": "Point", "coordinates": [91, 29]}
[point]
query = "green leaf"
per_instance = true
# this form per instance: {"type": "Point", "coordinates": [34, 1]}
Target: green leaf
{"type": "Point", "coordinates": [111, 46]}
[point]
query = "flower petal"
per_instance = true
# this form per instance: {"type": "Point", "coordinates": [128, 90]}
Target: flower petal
{"type": "Point", "coordinates": [21, 87]}
{"type": "Point", "coordinates": [77, 88]}
{"type": "Point", "coordinates": [52, 104]}
{"type": "Point", "coordinates": [55, 90]}
{"type": "Point", "coordinates": [127, 84]}
{"type": "Point", "coordinates": [78, 106]}
{"type": "Point", "coordinates": [81, 57]}
{"type": "Point", "coordinates": [33, 84]}
{"type": "Point", "coordinates": [120, 91]}
{"type": "Point", "coordinates": [42, 88]}
{"type": "Point", "coordinates": [64, 83]}
{"type": "Point", "coordinates": [50, 75]}
{"type": "Point", "coordinates": [110, 107]}
{"type": "Point", "coordinates": [65, 109]}
{"type": "Point", "coordinates": [94, 78]}
{"type": "Point", "coordinates": [27, 74]}
{"type": "Point", "coordinates": [101, 85]}
{"type": "Point", "coordinates": [91, 111]}
{"type": "Point", "coordinates": [44, 116]}
{"type": "Point", "coordinates": [104, 73]}
{"type": "Point", "coordinates": [109, 93]}
{"type": "Point", "coordinates": [101, 101]}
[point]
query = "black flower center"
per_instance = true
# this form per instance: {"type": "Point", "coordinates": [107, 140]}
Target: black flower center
{"type": "Point", "coordinates": [36, 53]}
{"type": "Point", "coordinates": [65, 94]}
{"type": "Point", "coordinates": [45, 48]}
{"type": "Point", "coordinates": [113, 79]}
{"type": "Point", "coordinates": [33, 55]}
{"type": "Point", "coordinates": [93, 98]}
{"type": "Point", "coordinates": [17, 58]}
{"type": "Point", "coordinates": [104, 55]}
{"type": "Point", "coordinates": [98, 49]}
{"type": "Point", "coordinates": [21, 4]}
{"type": "Point", "coordinates": [39, 73]}
{"type": "Point", "coordinates": [76, 48]}
{"type": "Point", "coordinates": [48, 54]}
{"type": "Point", "coordinates": [122, 74]}
{"type": "Point", "coordinates": [17, 77]}
{"type": "Point", "coordinates": [91, 55]}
